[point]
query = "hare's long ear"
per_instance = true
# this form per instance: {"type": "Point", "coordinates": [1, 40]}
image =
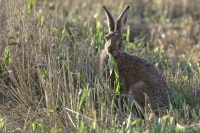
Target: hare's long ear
{"type": "Point", "coordinates": [121, 21]}
{"type": "Point", "coordinates": [110, 20]}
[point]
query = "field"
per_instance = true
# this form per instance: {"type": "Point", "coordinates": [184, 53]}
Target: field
{"type": "Point", "coordinates": [49, 65]}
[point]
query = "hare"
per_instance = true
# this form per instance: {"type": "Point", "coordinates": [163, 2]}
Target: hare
{"type": "Point", "coordinates": [140, 76]}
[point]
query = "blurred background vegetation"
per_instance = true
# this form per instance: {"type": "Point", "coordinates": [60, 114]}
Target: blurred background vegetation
{"type": "Point", "coordinates": [49, 74]}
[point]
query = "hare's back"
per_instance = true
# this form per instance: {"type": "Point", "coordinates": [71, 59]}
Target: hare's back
{"type": "Point", "coordinates": [135, 69]}
{"type": "Point", "coordinates": [135, 64]}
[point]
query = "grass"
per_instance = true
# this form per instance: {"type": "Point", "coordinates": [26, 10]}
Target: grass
{"type": "Point", "coordinates": [50, 78]}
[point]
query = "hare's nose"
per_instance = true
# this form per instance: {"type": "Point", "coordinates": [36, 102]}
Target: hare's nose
{"type": "Point", "coordinates": [110, 51]}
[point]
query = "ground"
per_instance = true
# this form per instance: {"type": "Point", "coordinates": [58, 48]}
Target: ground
{"type": "Point", "coordinates": [50, 77]}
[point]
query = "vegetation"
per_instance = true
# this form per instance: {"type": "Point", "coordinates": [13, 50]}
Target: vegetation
{"type": "Point", "coordinates": [49, 65]}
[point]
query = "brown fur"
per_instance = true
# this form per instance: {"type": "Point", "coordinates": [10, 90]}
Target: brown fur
{"type": "Point", "coordinates": [140, 75]}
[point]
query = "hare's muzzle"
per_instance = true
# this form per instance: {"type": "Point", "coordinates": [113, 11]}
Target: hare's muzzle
{"type": "Point", "coordinates": [110, 51]}
{"type": "Point", "coordinates": [110, 47]}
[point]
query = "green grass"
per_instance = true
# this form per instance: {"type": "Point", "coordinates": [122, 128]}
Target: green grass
{"type": "Point", "coordinates": [49, 70]}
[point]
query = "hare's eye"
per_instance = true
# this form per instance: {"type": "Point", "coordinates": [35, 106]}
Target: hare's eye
{"type": "Point", "coordinates": [106, 38]}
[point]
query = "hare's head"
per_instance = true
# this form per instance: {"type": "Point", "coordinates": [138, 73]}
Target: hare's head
{"type": "Point", "coordinates": [114, 43]}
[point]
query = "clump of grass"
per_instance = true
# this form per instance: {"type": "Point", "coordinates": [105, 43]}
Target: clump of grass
{"type": "Point", "coordinates": [2, 125]}
{"type": "Point", "coordinates": [50, 76]}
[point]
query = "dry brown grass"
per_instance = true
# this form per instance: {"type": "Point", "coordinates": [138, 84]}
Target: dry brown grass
{"type": "Point", "coordinates": [43, 77]}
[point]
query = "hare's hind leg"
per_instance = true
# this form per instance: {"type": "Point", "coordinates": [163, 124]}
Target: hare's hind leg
{"type": "Point", "coordinates": [135, 107]}
{"type": "Point", "coordinates": [136, 98]}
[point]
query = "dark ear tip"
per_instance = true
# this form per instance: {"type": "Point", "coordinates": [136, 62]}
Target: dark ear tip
{"type": "Point", "coordinates": [128, 7]}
